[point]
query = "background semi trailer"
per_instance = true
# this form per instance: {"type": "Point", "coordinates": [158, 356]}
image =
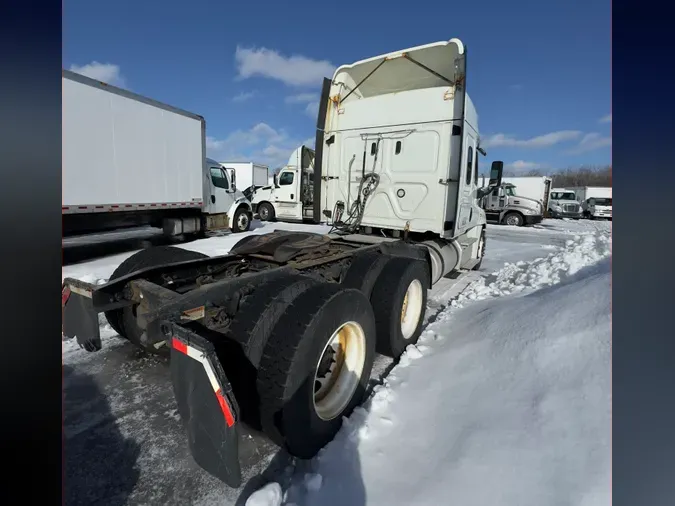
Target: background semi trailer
{"type": "Point", "coordinates": [250, 176]}
{"type": "Point", "coordinates": [280, 334]}
{"type": "Point", "coordinates": [290, 197]}
{"type": "Point", "coordinates": [596, 201]}
{"type": "Point", "coordinates": [132, 161]}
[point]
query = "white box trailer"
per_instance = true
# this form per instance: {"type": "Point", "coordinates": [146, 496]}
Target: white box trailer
{"type": "Point", "coordinates": [584, 193]}
{"type": "Point", "coordinates": [596, 201]}
{"type": "Point", "coordinates": [249, 174]}
{"type": "Point", "coordinates": [129, 160]}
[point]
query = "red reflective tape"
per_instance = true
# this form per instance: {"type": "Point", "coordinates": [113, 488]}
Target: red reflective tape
{"type": "Point", "coordinates": [178, 345]}
{"type": "Point", "coordinates": [229, 418]}
{"type": "Point", "coordinates": [82, 207]}
{"type": "Point", "coordinates": [153, 205]}
{"type": "Point", "coordinates": [65, 295]}
{"type": "Point", "coordinates": [64, 208]}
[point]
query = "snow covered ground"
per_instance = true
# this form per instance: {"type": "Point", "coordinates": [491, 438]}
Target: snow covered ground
{"type": "Point", "coordinates": [505, 400]}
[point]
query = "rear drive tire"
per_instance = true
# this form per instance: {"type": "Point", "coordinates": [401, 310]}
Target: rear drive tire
{"type": "Point", "coordinates": [123, 321]}
{"type": "Point", "coordinates": [241, 221]}
{"type": "Point", "coordinates": [514, 219]}
{"type": "Point", "coordinates": [481, 250]}
{"type": "Point", "coordinates": [248, 334]}
{"type": "Point", "coordinates": [266, 212]}
{"type": "Point", "coordinates": [363, 272]}
{"type": "Point", "coordinates": [399, 302]}
{"type": "Point", "coordinates": [315, 367]}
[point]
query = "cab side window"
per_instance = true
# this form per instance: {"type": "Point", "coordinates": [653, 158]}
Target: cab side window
{"type": "Point", "coordinates": [469, 165]}
{"type": "Point", "coordinates": [286, 178]}
{"type": "Point", "coordinates": [218, 178]}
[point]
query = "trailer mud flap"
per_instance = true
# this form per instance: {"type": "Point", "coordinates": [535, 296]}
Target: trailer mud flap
{"type": "Point", "coordinates": [206, 405]}
{"type": "Point", "coordinates": [80, 319]}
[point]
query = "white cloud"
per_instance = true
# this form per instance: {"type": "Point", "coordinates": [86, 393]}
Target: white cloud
{"type": "Point", "coordinates": [244, 96]}
{"type": "Point", "coordinates": [106, 72]}
{"type": "Point", "coordinates": [261, 144]}
{"type": "Point", "coordinates": [591, 142]}
{"type": "Point", "coordinates": [302, 98]}
{"type": "Point", "coordinates": [520, 166]}
{"type": "Point", "coordinates": [606, 119]}
{"type": "Point", "coordinates": [312, 109]}
{"type": "Point", "coordinates": [295, 70]}
{"type": "Point", "coordinates": [541, 141]}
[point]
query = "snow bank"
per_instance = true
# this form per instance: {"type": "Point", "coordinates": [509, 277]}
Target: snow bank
{"type": "Point", "coordinates": [579, 252]}
{"type": "Point", "coordinates": [504, 402]}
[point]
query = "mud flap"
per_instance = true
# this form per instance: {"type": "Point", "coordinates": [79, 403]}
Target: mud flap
{"type": "Point", "coordinates": [80, 319]}
{"type": "Point", "coordinates": [206, 405]}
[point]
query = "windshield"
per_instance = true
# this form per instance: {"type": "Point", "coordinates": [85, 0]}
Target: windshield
{"type": "Point", "coordinates": [563, 196]}
{"type": "Point", "coordinates": [603, 202]}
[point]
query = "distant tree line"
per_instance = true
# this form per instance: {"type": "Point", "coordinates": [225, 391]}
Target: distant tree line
{"type": "Point", "coordinates": [590, 175]}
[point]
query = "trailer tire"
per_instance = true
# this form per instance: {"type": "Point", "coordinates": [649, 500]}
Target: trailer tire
{"type": "Point", "coordinates": [248, 334]}
{"type": "Point", "coordinates": [266, 212]}
{"type": "Point", "coordinates": [241, 222]}
{"type": "Point", "coordinates": [401, 287]}
{"type": "Point", "coordinates": [481, 250]}
{"type": "Point", "coordinates": [514, 219]}
{"type": "Point", "coordinates": [299, 356]}
{"type": "Point", "coordinates": [123, 320]}
{"type": "Point", "coordinates": [363, 272]}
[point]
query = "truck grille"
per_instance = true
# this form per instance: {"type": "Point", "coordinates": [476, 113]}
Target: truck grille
{"type": "Point", "coordinates": [571, 208]}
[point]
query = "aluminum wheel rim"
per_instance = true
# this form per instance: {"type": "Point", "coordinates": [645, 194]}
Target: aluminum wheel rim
{"type": "Point", "coordinates": [338, 370]}
{"type": "Point", "coordinates": [264, 213]}
{"type": "Point", "coordinates": [512, 220]}
{"type": "Point", "coordinates": [242, 222]}
{"type": "Point", "coordinates": [481, 245]}
{"type": "Point", "coordinates": [411, 309]}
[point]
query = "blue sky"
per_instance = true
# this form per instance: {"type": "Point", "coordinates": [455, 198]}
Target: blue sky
{"type": "Point", "coordinates": [538, 72]}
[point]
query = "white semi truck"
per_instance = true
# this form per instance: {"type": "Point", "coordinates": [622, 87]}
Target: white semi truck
{"type": "Point", "coordinates": [518, 201]}
{"type": "Point", "coordinates": [596, 201]}
{"type": "Point", "coordinates": [281, 333]}
{"type": "Point", "coordinates": [132, 161]}
{"type": "Point", "coordinates": [290, 197]}
{"type": "Point", "coordinates": [563, 204]}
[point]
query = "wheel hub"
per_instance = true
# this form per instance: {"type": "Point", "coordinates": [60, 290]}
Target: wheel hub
{"type": "Point", "coordinates": [411, 309]}
{"type": "Point", "coordinates": [338, 371]}
{"type": "Point", "coordinates": [404, 308]}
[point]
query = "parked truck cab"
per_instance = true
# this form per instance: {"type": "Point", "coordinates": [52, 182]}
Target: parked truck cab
{"type": "Point", "coordinates": [291, 196]}
{"type": "Point", "coordinates": [563, 204]}
{"type": "Point", "coordinates": [504, 205]}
